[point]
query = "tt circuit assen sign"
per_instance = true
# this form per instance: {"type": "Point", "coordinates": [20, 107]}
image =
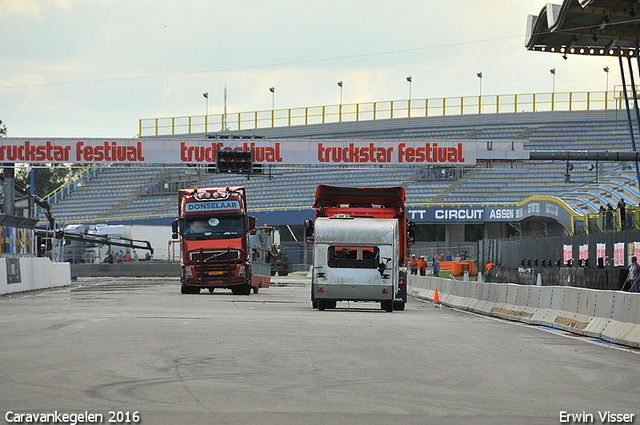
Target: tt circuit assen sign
{"type": "Point", "coordinates": [265, 151]}
{"type": "Point", "coordinates": [532, 207]}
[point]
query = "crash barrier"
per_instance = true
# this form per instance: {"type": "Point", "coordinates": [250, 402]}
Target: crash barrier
{"type": "Point", "coordinates": [31, 273]}
{"type": "Point", "coordinates": [613, 316]}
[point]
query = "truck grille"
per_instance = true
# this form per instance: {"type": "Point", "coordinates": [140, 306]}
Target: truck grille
{"type": "Point", "coordinates": [214, 256]}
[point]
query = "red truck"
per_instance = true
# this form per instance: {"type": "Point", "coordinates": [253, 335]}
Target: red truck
{"type": "Point", "coordinates": [214, 228]}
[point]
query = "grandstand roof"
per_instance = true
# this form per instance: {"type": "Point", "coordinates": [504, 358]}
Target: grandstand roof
{"type": "Point", "coordinates": [586, 27]}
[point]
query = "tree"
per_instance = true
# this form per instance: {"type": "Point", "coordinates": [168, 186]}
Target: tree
{"type": "Point", "coordinates": [47, 177]}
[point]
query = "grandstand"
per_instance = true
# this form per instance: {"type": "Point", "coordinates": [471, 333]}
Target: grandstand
{"type": "Point", "coordinates": [146, 194]}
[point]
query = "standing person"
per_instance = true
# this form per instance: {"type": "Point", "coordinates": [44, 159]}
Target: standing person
{"type": "Point", "coordinates": [413, 264]}
{"type": "Point", "coordinates": [622, 209]}
{"type": "Point", "coordinates": [119, 256]}
{"type": "Point", "coordinates": [422, 265]}
{"type": "Point", "coordinates": [135, 255]}
{"type": "Point", "coordinates": [634, 275]}
{"type": "Point", "coordinates": [436, 267]}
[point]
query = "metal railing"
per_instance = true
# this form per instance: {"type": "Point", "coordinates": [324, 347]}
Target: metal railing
{"type": "Point", "coordinates": [367, 111]}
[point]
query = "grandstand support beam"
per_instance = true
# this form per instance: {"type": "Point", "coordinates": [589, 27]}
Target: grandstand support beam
{"type": "Point", "coordinates": [626, 101]}
{"type": "Point", "coordinates": [9, 189]}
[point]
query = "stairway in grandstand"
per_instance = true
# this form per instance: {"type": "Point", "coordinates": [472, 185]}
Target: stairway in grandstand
{"type": "Point", "coordinates": [142, 192]}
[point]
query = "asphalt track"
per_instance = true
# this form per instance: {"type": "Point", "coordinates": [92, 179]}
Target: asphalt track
{"type": "Point", "coordinates": [136, 345]}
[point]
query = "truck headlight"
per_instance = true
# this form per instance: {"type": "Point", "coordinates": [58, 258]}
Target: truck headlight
{"type": "Point", "coordinates": [187, 272]}
{"type": "Point", "coordinates": [242, 271]}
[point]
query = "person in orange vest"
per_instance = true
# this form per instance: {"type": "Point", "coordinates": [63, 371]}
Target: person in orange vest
{"type": "Point", "coordinates": [413, 264]}
{"type": "Point", "coordinates": [422, 265]}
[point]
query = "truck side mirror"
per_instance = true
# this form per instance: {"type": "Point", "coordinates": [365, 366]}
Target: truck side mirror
{"type": "Point", "coordinates": [174, 229]}
{"type": "Point", "coordinates": [308, 231]}
{"type": "Point", "coordinates": [411, 233]}
{"type": "Point", "coordinates": [252, 225]}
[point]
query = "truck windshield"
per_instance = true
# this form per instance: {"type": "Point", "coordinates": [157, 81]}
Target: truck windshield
{"type": "Point", "coordinates": [213, 227]}
{"type": "Point", "coordinates": [354, 257]}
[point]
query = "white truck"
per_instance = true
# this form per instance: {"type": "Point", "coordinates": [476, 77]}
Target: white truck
{"type": "Point", "coordinates": [359, 246]}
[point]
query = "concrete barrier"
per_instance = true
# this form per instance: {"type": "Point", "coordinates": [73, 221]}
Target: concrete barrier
{"type": "Point", "coordinates": [610, 315]}
{"type": "Point", "coordinates": [29, 274]}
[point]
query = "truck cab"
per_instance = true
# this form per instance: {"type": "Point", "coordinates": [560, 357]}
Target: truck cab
{"type": "Point", "coordinates": [214, 228]}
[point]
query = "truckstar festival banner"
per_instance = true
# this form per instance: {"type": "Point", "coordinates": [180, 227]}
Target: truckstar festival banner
{"type": "Point", "coordinates": [265, 151]}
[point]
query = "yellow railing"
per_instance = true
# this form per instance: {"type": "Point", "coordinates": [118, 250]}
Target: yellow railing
{"type": "Point", "coordinates": [465, 105]}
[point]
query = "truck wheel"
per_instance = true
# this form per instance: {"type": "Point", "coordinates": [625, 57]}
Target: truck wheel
{"type": "Point", "coordinates": [387, 306]}
{"type": "Point", "coordinates": [184, 290]}
{"type": "Point", "coordinates": [211, 289]}
{"type": "Point", "coordinates": [283, 273]}
{"type": "Point", "coordinates": [255, 289]}
{"type": "Point", "coordinates": [241, 290]}
{"type": "Point", "coordinates": [314, 303]}
{"type": "Point", "coordinates": [398, 306]}
{"type": "Point", "coordinates": [322, 305]}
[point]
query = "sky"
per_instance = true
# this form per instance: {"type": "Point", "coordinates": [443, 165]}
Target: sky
{"type": "Point", "coordinates": [94, 68]}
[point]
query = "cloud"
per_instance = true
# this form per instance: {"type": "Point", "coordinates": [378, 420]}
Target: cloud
{"type": "Point", "coordinates": [22, 7]}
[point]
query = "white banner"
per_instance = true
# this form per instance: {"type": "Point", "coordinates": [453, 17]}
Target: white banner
{"type": "Point", "coordinates": [618, 254]}
{"type": "Point", "coordinates": [568, 253]}
{"type": "Point", "coordinates": [266, 151]}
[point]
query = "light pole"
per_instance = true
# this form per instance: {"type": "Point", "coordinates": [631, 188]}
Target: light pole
{"type": "Point", "coordinates": [479, 74]}
{"type": "Point", "coordinates": [410, 80]}
{"type": "Point", "coordinates": [340, 85]}
{"type": "Point", "coordinates": [206, 109]}
{"type": "Point", "coordinates": [273, 98]}
{"type": "Point", "coordinates": [206, 103]}
{"type": "Point", "coordinates": [606, 70]}
{"type": "Point", "coordinates": [273, 106]}
{"type": "Point", "coordinates": [553, 73]}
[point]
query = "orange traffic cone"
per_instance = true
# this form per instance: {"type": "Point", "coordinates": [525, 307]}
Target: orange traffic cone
{"type": "Point", "coordinates": [436, 298]}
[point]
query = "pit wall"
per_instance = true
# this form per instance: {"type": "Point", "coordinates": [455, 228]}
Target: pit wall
{"type": "Point", "coordinates": [30, 273]}
{"type": "Point", "coordinates": [610, 315]}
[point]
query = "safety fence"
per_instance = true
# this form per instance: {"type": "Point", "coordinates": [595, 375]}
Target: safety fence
{"type": "Point", "coordinates": [367, 111]}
